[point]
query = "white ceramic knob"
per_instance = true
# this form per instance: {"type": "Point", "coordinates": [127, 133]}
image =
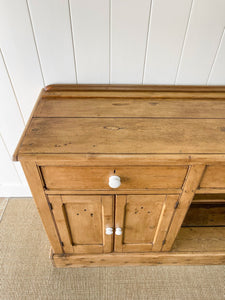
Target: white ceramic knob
{"type": "Point", "coordinates": [108, 230]}
{"type": "Point", "coordinates": [118, 231]}
{"type": "Point", "coordinates": [114, 181]}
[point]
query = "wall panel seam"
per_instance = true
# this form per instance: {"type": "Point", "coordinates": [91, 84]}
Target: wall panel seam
{"type": "Point", "coordinates": [12, 87]}
{"type": "Point", "coordinates": [35, 43]}
{"type": "Point", "coordinates": [184, 41]}
{"type": "Point", "coordinates": [110, 40]}
{"type": "Point", "coordinates": [3, 141]}
{"type": "Point", "coordinates": [73, 42]}
{"type": "Point", "coordinates": [147, 39]}
{"type": "Point", "coordinates": [215, 57]}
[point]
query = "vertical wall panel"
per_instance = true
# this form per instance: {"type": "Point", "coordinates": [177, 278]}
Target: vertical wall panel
{"type": "Point", "coordinates": [20, 54]}
{"type": "Point", "coordinates": [129, 28]}
{"type": "Point", "coordinates": [217, 75]}
{"type": "Point", "coordinates": [90, 22]}
{"type": "Point", "coordinates": [166, 34]}
{"type": "Point", "coordinates": [51, 22]}
{"type": "Point", "coordinates": [11, 123]}
{"type": "Point", "coordinates": [204, 33]}
{"type": "Point", "coordinates": [8, 174]}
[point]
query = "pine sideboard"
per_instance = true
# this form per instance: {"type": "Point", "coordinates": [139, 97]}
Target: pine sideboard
{"type": "Point", "coordinates": [128, 175]}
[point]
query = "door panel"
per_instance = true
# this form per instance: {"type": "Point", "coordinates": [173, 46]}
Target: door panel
{"type": "Point", "coordinates": [82, 222]}
{"type": "Point", "coordinates": [144, 220]}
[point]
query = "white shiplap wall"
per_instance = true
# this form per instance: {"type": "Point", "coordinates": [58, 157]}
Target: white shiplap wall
{"type": "Point", "coordinates": [84, 41]}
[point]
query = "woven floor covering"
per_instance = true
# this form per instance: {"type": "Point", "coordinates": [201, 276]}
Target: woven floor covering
{"type": "Point", "coordinates": [27, 273]}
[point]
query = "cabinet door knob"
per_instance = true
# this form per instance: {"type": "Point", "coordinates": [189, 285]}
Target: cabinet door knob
{"type": "Point", "coordinates": [118, 231]}
{"type": "Point", "coordinates": [108, 230]}
{"type": "Point", "coordinates": [114, 181]}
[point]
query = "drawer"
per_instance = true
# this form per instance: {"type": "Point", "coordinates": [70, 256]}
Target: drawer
{"type": "Point", "coordinates": [97, 178]}
{"type": "Point", "coordinates": [214, 177]}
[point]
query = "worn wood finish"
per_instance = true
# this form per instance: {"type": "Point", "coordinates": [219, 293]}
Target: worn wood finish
{"type": "Point", "coordinates": [96, 159]}
{"type": "Point", "coordinates": [164, 221]}
{"type": "Point", "coordinates": [130, 108]}
{"type": "Point", "coordinates": [144, 220]}
{"type": "Point", "coordinates": [15, 155]}
{"type": "Point", "coordinates": [135, 91]}
{"type": "Point", "coordinates": [36, 185]}
{"type": "Point", "coordinates": [138, 259]}
{"type": "Point", "coordinates": [97, 178]}
{"type": "Point", "coordinates": [139, 135]}
{"type": "Point", "coordinates": [167, 145]}
{"type": "Point", "coordinates": [212, 198]}
{"type": "Point", "coordinates": [201, 239]}
{"type": "Point", "coordinates": [118, 191]}
{"type": "Point", "coordinates": [193, 178]}
{"type": "Point", "coordinates": [214, 177]}
{"type": "Point", "coordinates": [82, 220]}
{"type": "Point", "coordinates": [134, 87]}
{"type": "Point", "coordinates": [205, 215]}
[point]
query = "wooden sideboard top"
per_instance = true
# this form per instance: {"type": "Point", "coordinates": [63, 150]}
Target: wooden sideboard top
{"type": "Point", "coordinates": [126, 119]}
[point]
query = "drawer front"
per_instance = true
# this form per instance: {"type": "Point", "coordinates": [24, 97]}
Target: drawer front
{"type": "Point", "coordinates": [214, 177]}
{"type": "Point", "coordinates": [97, 178]}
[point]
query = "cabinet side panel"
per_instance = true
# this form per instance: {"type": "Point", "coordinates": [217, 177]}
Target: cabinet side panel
{"type": "Point", "coordinates": [34, 180]}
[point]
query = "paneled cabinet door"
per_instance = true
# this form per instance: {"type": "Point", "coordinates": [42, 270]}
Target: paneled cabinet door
{"type": "Point", "coordinates": [85, 223]}
{"type": "Point", "coordinates": [142, 221]}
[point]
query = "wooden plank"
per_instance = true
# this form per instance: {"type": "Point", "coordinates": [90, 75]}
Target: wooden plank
{"type": "Point", "coordinates": [82, 220]}
{"type": "Point", "coordinates": [205, 215]}
{"type": "Point", "coordinates": [33, 177]}
{"type": "Point", "coordinates": [209, 198]}
{"type": "Point", "coordinates": [142, 214]}
{"type": "Point", "coordinates": [61, 223]}
{"type": "Point", "coordinates": [132, 177]}
{"type": "Point", "coordinates": [113, 192]}
{"type": "Point", "coordinates": [129, 28]}
{"type": "Point", "coordinates": [51, 23]}
{"type": "Point", "coordinates": [90, 23]}
{"type": "Point", "coordinates": [92, 159]}
{"type": "Point", "coordinates": [120, 206]}
{"type": "Point", "coordinates": [164, 221]}
{"type": "Point", "coordinates": [214, 177]}
{"type": "Point", "coordinates": [130, 108]}
{"type": "Point", "coordinates": [137, 259]}
{"type": "Point", "coordinates": [210, 190]}
{"type": "Point", "coordinates": [193, 178]}
{"type": "Point", "coordinates": [144, 220]}
{"type": "Point", "coordinates": [108, 222]}
{"type": "Point", "coordinates": [201, 239]}
{"type": "Point", "coordinates": [167, 29]}
{"type": "Point", "coordinates": [217, 74]}
{"type": "Point", "coordinates": [201, 41]}
{"type": "Point", "coordinates": [20, 53]}
{"type": "Point", "coordinates": [79, 198]}
{"type": "Point", "coordinates": [103, 135]}
{"type": "Point", "coordinates": [16, 152]}
{"type": "Point", "coordinates": [50, 89]}
{"type": "Point", "coordinates": [137, 248]}
{"type": "Point", "coordinates": [85, 221]}
{"type": "Point", "coordinates": [139, 93]}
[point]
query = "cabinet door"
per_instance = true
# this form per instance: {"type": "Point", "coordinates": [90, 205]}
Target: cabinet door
{"type": "Point", "coordinates": [142, 221]}
{"type": "Point", "coordinates": [83, 222]}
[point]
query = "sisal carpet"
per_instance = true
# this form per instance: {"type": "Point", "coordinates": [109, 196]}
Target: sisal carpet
{"type": "Point", "coordinates": [27, 273]}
